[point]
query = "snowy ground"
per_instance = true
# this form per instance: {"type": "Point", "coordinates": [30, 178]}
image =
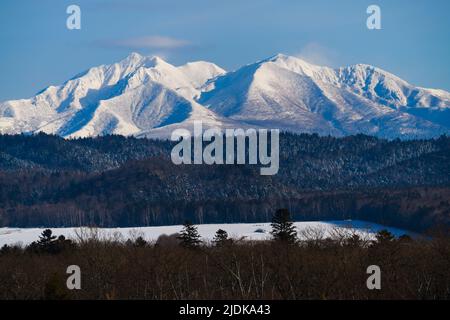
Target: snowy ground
{"type": "Point", "coordinates": [251, 231]}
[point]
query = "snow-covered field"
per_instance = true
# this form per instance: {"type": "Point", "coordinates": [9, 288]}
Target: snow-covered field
{"type": "Point", "coordinates": [250, 231]}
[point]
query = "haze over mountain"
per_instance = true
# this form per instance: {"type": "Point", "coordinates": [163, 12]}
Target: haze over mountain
{"type": "Point", "coordinates": [146, 96]}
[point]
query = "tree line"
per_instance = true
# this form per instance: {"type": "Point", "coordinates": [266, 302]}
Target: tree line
{"type": "Point", "coordinates": [182, 267]}
{"type": "Point", "coordinates": [123, 181]}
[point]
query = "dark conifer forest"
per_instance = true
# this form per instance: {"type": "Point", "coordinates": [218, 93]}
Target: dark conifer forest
{"type": "Point", "coordinates": [119, 181]}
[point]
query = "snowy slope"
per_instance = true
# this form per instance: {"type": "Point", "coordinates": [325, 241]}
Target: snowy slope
{"type": "Point", "coordinates": [130, 97]}
{"type": "Point", "coordinates": [248, 231]}
{"type": "Point", "coordinates": [146, 96]}
{"type": "Point", "coordinates": [290, 93]}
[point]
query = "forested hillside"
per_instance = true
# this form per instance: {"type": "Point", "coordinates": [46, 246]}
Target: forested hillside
{"type": "Point", "coordinates": [118, 181]}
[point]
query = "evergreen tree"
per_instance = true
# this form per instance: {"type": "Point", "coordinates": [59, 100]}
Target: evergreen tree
{"type": "Point", "coordinates": [189, 236]}
{"type": "Point", "coordinates": [221, 237]}
{"type": "Point", "coordinates": [48, 243]}
{"type": "Point", "coordinates": [384, 236]}
{"type": "Point", "coordinates": [140, 242]}
{"type": "Point", "coordinates": [46, 237]}
{"type": "Point", "coordinates": [404, 238]}
{"type": "Point", "coordinates": [5, 249]}
{"type": "Point", "coordinates": [283, 228]}
{"type": "Point", "coordinates": [353, 241]}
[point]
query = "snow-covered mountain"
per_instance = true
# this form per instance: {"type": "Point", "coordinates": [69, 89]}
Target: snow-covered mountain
{"type": "Point", "coordinates": [146, 96]}
{"type": "Point", "coordinates": [290, 93]}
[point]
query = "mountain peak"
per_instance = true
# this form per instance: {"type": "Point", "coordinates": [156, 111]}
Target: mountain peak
{"type": "Point", "coordinates": [280, 57]}
{"type": "Point", "coordinates": [277, 57]}
{"type": "Point", "coordinates": [142, 94]}
{"type": "Point", "coordinates": [132, 58]}
{"type": "Point", "coordinates": [156, 60]}
{"type": "Point", "coordinates": [135, 55]}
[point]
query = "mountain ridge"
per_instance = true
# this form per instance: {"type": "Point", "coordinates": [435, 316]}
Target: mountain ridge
{"type": "Point", "coordinates": [147, 96]}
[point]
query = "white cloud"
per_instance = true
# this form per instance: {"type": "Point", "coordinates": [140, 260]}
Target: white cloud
{"type": "Point", "coordinates": [151, 42]}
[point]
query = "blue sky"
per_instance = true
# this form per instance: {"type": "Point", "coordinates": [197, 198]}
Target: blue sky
{"type": "Point", "coordinates": [37, 50]}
